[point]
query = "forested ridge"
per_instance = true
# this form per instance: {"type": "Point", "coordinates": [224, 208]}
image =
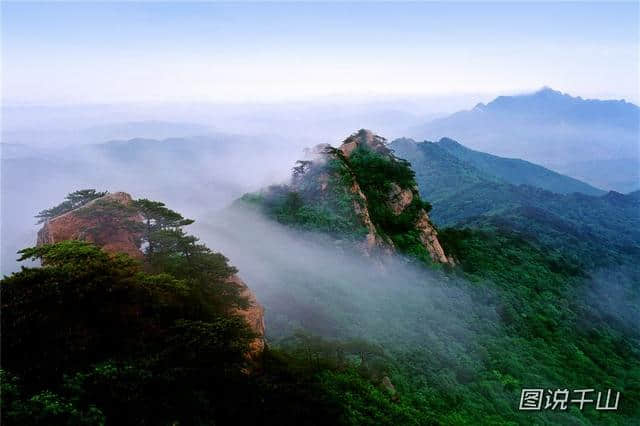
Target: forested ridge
{"type": "Point", "coordinates": [549, 306]}
{"type": "Point", "coordinates": [381, 337]}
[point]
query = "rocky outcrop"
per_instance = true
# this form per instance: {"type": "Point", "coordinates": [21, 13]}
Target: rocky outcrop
{"type": "Point", "coordinates": [398, 199]}
{"type": "Point", "coordinates": [366, 138]}
{"type": "Point", "coordinates": [101, 222]}
{"type": "Point", "coordinates": [429, 237]}
{"type": "Point", "coordinates": [90, 223]}
{"type": "Point", "coordinates": [373, 241]}
{"type": "Point", "coordinates": [254, 316]}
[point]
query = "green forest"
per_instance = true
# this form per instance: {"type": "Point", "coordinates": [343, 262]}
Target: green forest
{"type": "Point", "coordinates": [536, 313]}
{"type": "Point", "coordinates": [96, 338]}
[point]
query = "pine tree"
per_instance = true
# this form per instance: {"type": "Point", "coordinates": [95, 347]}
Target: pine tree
{"type": "Point", "coordinates": [72, 201]}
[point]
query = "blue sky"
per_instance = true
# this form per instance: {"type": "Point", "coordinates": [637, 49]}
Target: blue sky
{"type": "Point", "coordinates": [124, 52]}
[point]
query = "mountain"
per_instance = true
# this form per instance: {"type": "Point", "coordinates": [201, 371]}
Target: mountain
{"type": "Point", "coordinates": [458, 341]}
{"type": "Point", "coordinates": [555, 130]}
{"type": "Point", "coordinates": [114, 222]}
{"type": "Point", "coordinates": [124, 298]}
{"type": "Point", "coordinates": [595, 230]}
{"type": "Point", "coordinates": [144, 129]}
{"type": "Point", "coordinates": [373, 315]}
{"type": "Point", "coordinates": [516, 171]}
{"type": "Point", "coordinates": [617, 174]}
{"type": "Point", "coordinates": [359, 191]}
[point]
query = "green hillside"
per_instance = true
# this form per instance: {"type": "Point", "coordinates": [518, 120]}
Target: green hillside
{"type": "Point", "coordinates": [521, 307]}
{"type": "Point", "coordinates": [516, 171]}
{"type": "Point", "coordinates": [458, 346]}
{"type": "Point", "coordinates": [595, 231]}
{"type": "Point", "coordinates": [354, 336]}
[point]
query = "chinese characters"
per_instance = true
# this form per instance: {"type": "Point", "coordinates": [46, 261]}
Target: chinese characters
{"type": "Point", "coordinates": [559, 399]}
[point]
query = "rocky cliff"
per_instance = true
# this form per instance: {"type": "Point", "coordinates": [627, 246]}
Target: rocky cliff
{"type": "Point", "coordinates": [254, 316]}
{"type": "Point", "coordinates": [398, 199]}
{"type": "Point", "coordinates": [109, 222]}
{"type": "Point", "coordinates": [105, 221]}
{"type": "Point", "coordinates": [359, 191]}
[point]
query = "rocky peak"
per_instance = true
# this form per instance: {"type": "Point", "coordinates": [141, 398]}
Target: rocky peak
{"type": "Point", "coordinates": [400, 198]}
{"type": "Point", "coordinates": [95, 223]}
{"type": "Point", "coordinates": [364, 138]}
{"type": "Point", "coordinates": [106, 222]}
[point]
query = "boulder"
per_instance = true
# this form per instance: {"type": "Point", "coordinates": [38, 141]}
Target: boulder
{"type": "Point", "coordinates": [92, 223]}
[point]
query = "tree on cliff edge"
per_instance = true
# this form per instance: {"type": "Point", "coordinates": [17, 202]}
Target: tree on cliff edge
{"type": "Point", "coordinates": [72, 201]}
{"type": "Point", "coordinates": [157, 217]}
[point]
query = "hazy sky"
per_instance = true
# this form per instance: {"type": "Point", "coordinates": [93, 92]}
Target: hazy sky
{"type": "Point", "coordinates": [115, 52]}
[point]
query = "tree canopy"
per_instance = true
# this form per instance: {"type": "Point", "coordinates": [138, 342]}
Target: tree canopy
{"type": "Point", "coordinates": [72, 201]}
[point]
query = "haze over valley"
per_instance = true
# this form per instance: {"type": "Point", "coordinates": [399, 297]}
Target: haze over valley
{"type": "Point", "coordinates": [320, 214]}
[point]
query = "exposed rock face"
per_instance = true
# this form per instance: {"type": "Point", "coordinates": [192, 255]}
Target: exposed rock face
{"type": "Point", "coordinates": [254, 316]}
{"type": "Point", "coordinates": [79, 224]}
{"type": "Point", "coordinates": [429, 238]}
{"type": "Point", "coordinates": [373, 241]}
{"type": "Point", "coordinates": [366, 138]}
{"type": "Point", "coordinates": [398, 200]}
{"type": "Point", "coordinates": [117, 237]}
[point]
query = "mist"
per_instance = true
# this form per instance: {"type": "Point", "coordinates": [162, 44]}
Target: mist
{"type": "Point", "coordinates": [194, 156]}
{"type": "Point", "coordinates": [53, 126]}
{"type": "Point", "coordinates": [614, 291]}
{"type": "Point", "coordinates": [489, 278]}
{"type": "Point", "coordinates": [190, 174]}
{"type": "Point", "coordinates": [330, 288]}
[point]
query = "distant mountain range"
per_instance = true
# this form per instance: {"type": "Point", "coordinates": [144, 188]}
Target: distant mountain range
{"type": "Point", "coordinates": [517, 171]}
{"type": "Point", "coordinates": [593, 140]}
{"type": "Point", "coordinates": [470, 188]}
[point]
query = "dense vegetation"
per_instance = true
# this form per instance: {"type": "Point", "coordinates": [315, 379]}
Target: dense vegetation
{"type": "Point", "coordinates": [320, 198]}
{"type": "Point", "coordinates": [71, 201]}
{"type": "Point", "coordinates": [90, 336]}
{"type": "Point", "coordinates": [305, 206]}
{"type": "Point", "coordinates": [151, 348]}
{"type": "Point", "coordinates": [594, 231]}
{"type": "Point", "coordinates": [519, 234]}
{"type": "Point", "coordinates": [523, 308]}
{"type": "Point", "coordinates": [517, 171]}
{"type": "Point", "coordinates": [460, 346]}
{"type": "Point", "coordinates": [95, 338]}
{"type": "Point", "coordinates": [352, 342]}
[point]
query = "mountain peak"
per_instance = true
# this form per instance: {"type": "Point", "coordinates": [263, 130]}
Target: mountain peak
{"type": "Point", "coordinates": [542, 98]}
{"type": "Point", "coordinates": [359, 192]}
{"type": "Point", "coordinates": [366, 138]}
{"type": "Point", "coordinates": [449, 142]}
{"type": "Point", "coordinates": [114, 222]}
{"type": "Point", "coordinates": [548, 91]}
{"type": "Point", "coordinates": [104, 221]}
